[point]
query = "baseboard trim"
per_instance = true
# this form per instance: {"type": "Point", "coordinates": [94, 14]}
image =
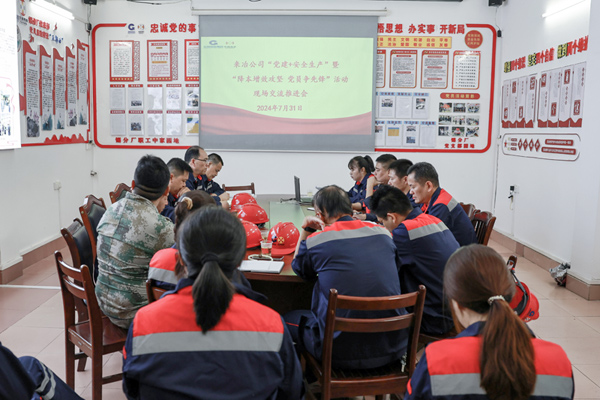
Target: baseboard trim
{"type": "Point", "coordinates": [31, 257]}
{"type": "Point", "coordinates": [588, 291]}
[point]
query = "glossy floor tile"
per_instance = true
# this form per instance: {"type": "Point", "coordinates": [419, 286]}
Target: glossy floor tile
{"type": "Point", "coordinates": [31, 323]}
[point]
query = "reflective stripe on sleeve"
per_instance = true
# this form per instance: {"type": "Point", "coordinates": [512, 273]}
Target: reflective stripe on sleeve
{"type": "Point", "coordinates": [426, 230]}
{"type": "Point", "coordinates": [362, 232]}
{"type": "Point", "coordinates": [162, 275]}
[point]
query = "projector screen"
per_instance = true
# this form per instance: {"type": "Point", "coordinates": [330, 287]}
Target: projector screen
{"type": "Point", "coordinates": [287, 82]}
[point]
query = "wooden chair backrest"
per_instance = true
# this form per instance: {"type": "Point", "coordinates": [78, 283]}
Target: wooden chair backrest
{"type": "Point", "coordinates": [239, 188]}
{"type": "Point", "coordinates": [152, 291]}
{"type": "Point", "coordinates": [76, 284]}
{"type": "Point", "coordinates": [469, 210]}
{"type": "Point", "coordinates": [79, 243]}
{"type": "Point", "coordinates": [483, 222]}
{"type": "Point", "coordinates": [412, 320]}
{"type": "Point", "coordinates": [91, 212]}
{"type": "Point", "coordinates": [119, 192]}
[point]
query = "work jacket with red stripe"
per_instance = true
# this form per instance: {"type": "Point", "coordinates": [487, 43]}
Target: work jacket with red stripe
{"type": "Point", "coordinates": [424, 245]}
{"type": "Point", "coordinates": [249, 354]}
{"type": "Point", "coordinates": [357, 258]}
{"type": "Point", "coordinates": [443, 206]}
{"type": "Point", "coordinates": [359, 190]}
{"type": "Point", "coordinates": [450, 370]}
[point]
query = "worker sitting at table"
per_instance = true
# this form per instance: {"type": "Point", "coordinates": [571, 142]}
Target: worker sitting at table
{"type": "Point", "coordinates": [424, 245]}
{"type": "Point", "coordinates": [382, 165]}
{"type": "Point", "coordinates": [180, 171]}
{"type": "Point", "coordinates": [361, 171]}
{"type": "Point", "coordinates": [398, 178]}
{"type": "Point", "coordinates": [358, 258]}
{"type": "Point", "coordinates": [215, 163]}
{"type": "Point", "coordinates": [197, 158]}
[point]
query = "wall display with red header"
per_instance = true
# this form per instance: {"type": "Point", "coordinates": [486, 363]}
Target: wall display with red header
{"type": "Point", "coordinates": [435, 84]}
{"type": "Point", "coordinates": [543, 95]}
{"type": "Point", "coordinates": [155, 106]}
{"type": "Point", "coordinates": [54, 106]}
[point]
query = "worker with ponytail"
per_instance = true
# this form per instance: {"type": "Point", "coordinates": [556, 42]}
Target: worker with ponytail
{"type": "Point", "coordinates": [207, 339]}
{"type": "Point", "coordinates": [361, 171]}
{"type": "Point", "coordinates": [495, 356]}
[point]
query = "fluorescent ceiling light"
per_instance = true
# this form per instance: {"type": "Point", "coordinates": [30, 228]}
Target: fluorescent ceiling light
{"type": "Point", "coordinates": [54, 9]}
{"type": "Point", "coordinates": [561, 9]}
{"type": "Point", "coordinates": [264, 11]}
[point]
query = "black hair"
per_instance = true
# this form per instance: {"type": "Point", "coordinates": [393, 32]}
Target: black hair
{"type": "Point", "coordinates": [178, 167]}
{"type": "Point", "coordinates": [385, 160]}
{"type": "Point", "coordinates": [424, 172]}
{"type": "Point", "coordinates": [401, 167]}
{"type": "Point", "coordinates": [362, 162]}
{"type": "Point", "coordinates": [192, 152]}
{"type": "Point", "coordinates": [333, 201]}
{"type": "Point", "coordinates": [388, 199]}
{"type": "Point", "coordinates": [214, 158]}
{"type": "Point", "coordinates": [212, 243]}
{"type": "Point", "coordinates": [151, 177]}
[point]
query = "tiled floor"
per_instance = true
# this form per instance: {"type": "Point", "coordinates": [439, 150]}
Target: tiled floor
{"type": "Point", "coordinates": [31, 323]}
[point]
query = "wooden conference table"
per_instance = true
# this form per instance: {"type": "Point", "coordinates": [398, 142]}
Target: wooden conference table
{"type": "Point", "coordinates": [286, 291]}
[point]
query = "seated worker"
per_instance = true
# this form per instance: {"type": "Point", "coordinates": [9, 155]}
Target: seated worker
{"type": "Point", "coordinates": [207, 339]}
{"type": "Point", "coordinates": [361, 169]}
{"type": "Point", "coordinates": [495, 356]}
{"type": "Point", "coordinates": [197, 158]}
{"type": "Point", "coordinates": [357, 258]}
{"type": "Point", "coordinates": [424, 245]}
{"type": "Point", "coordinates": [215, 163]}
{"type": "Point", "coordinates": [163, 267]}
{"type": "Point", "coordinates": [398, 177]}
{"type": "Point", "coordinates": [129, 233]}
{"type": "Point", "coordinates": [27, 378]}
{"type": "Point", "coordinates": [425, 188]}
{"type": "Point", "coordinates": [180, 172]}
{"type": "Point", "coordinates": [382, 164]}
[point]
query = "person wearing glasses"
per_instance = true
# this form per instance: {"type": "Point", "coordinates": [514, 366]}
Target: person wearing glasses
{"type": "Point", "coordinates": [197, 158]}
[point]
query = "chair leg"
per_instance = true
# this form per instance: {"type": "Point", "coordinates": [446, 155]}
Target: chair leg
{"type": "Point", "coordinates": [70, 361]}
{"type": "Point", "coordinates": [97, 377]}
{"type": "Point", "coordinates": [81, 364]}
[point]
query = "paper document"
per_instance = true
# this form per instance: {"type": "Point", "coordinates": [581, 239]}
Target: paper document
{"type": "Point", "coordinates": [273, 267]}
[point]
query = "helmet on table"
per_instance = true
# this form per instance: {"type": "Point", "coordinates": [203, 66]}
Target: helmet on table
{"type": "Point", "coordinates": [253, 235]}
{"type": "Point", "coordinates": [240, 199]}
{"type": "Point", "coordinates": [284, 236]}
{"type": "Point", "coordinates": [254, 213]}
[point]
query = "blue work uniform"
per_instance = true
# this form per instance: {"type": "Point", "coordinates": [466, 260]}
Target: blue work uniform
{"type": "Point", "coordinates": [450, 370]}
{"type": "Point", "coordinates": [192, 182]}
{"type": "Point", "coordinates": [211, 187]}
{"type": "Point", "coordinates": [169, 210]}
{"type": "Point", "coordinates": [446, 208]}
{"type": "Point", "coordinates": [358, 191]}
{"type": "Point", "coordinates": [249, 354]}
{"type": "Point", "coordinates": [357, 258]}
{"type": "Point", "coordinates": [424, 245]}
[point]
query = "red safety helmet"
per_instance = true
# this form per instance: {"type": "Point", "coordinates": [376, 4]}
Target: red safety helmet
{"type": "Point", "coordinates": [253, 235]}
{"type": "Point", "coordinates": [253, 213]}
{"type": "Point", "coordinates": [240, 199]}
{"type": "Point", "coordinates": [285, 236]}
{"type": "Point", "coordinates": [524, 303]}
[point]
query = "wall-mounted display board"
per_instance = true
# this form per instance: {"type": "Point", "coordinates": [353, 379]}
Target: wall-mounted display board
{"type": "Point", "coordinates": [435, 87]}
{"type": "Point", "coordinates": [10, 135]}
{"type": "Point", "coordinates": [54, 92]}
{"type": "Point", "coordinates": [145, 80]}
{"type": "Point", "coordinates": [545, 91]}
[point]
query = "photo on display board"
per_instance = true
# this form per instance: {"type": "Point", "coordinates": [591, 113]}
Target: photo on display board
{"type": "Point", "coordinates": [458, 120]}
{"type": "Point", "coordinates": [33, 124]}
{"type": "Point", "coordinates": [458, 131]}
{"type": "Point", "coordinates": [473, 121]}
{"type": "Point", "coordinates": [445, 120]}
{"type": "Point", "coordinates": [444, 131]}
{"type": "Point", "coordinates": [473, 108]}
{"type": "Point", "coordinates": [459, 107]}
{"type": "Point", "coordinates": [445, 107]}
{"type": "Point", "coordinates": [472, 131]}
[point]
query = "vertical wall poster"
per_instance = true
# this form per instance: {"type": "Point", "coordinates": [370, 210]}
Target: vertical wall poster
{"type": "Point", "coordinates": [192, 59]}
{"type": "Point", "coordinates": [31, 82]}
{"type": "Point", "coordinates": [46, 84]}
{"type": "Point", "coordinates": [71, 88]}
{"type": "Point", "coordinates": [59, 90]}
{"type": "Point", "coordinates": [82, 83]}
{"type": "Point", "coordinates": [159, 60]}
{"type": "Point", "coordinates": [10, 135]}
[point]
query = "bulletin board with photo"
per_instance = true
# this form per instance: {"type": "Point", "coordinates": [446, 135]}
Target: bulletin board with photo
{"type": "Point", "coordinates": [435, 86]}
{"type": "Point", "coordinates": [146, 84]}
{"type": "Point", "coordinates": [54, 72]}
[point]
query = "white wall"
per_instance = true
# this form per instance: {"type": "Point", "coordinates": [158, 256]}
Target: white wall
{"type": "Point", "coordinates": [469, 177]}
{"type": "Point", "coordinates": [31, 211]}
{"type": "Point", "coordinates": [547, 212]}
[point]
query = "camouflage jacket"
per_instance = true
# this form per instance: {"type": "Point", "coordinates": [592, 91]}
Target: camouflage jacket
{"type": "Point", "coordinates": [129, 233]}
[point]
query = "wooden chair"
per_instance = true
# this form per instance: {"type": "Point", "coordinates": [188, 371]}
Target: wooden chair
{"type": "Point", "coordinates": [91, 212]}
{"type": "Point", "coordinates": [152, 291]}
{"type": "Point", "coordinates": [334, 383]}
{"type": "Point", "coordinates": [119, 192]}
{"type": "Point", "coordinates": [239, 188]}
{"type": "Point", "coordinates": [483, 222]}
{"type": "Point", "coordinates": [96, 336]}
{"type": "Point", "coordinates": [80, 247]}
{"type": "Point", "coordinates": [469, 210]}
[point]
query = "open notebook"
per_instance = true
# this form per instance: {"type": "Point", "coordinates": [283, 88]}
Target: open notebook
{"type": "Point", "coordinates": [273, 267]}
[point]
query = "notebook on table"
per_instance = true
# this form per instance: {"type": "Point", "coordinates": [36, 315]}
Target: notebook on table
{"type": "Point", "coordinates": [271, 267]}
